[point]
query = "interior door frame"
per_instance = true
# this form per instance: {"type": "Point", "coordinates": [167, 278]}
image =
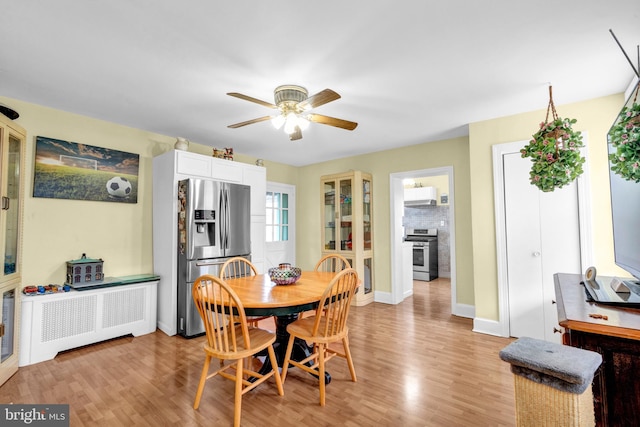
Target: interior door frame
{"type": "Point", "coordinates": [396, 196]}
{"type": "Point", "coordinates": [584, 221]}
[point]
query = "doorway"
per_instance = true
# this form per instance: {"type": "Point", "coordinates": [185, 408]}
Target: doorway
{"type": "Point", "coordinates": [280, 246]}
{"type": "Point", "coordinates": [537, 234]}
{"type": "Point", "coordinates": [398, 222]}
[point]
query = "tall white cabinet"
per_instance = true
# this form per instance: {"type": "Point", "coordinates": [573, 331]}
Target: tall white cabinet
{"type": "Point", "coordinates": [168, 169]}
{"type": "Point", "coordinates": [542, 237]}
{"type": "Point", "coordinates": [12, 146]}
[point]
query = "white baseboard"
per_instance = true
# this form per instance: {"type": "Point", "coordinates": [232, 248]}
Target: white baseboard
{"type": "Point", "coordinates": [383, 297]}
{"type": "Point", "coordinates": [487, 326]}
{"type": "Point", "coordinates": [464, 310]}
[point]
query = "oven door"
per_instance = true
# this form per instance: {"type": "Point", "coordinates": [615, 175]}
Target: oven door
{"type": "Point", "coordinates": [421, 258]}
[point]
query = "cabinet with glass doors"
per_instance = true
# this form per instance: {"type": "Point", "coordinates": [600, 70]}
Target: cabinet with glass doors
{"type": "Point", "coordinates": [347, 224]}
{"type": "Point", "coordinates": [12, 145]}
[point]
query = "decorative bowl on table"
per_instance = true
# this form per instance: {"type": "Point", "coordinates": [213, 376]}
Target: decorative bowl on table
{"type": "Point", "coordinates": [284, 276]}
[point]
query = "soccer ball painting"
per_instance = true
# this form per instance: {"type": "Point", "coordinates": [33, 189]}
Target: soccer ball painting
{"type": "Point", "coordinates": [119, 187]}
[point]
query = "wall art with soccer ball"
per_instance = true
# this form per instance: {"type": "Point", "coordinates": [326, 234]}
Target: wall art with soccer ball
{"type": "Point", "coordinates": [71, 170]}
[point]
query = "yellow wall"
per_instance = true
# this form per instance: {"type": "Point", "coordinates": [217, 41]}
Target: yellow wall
{"type": "Point", "coordinates": [57, 230]}
{"type": "Point", "coordinates": [594, 118]}
{"type": "Point", "coordinates": [454, 152]}
{"type": "Point", "coordinates": [60, 230]}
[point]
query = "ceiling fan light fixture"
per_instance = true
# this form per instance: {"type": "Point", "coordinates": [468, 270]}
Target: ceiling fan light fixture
{"type": "Point", "coordinates": [291, 123]}
{"type": "Point", "coordinates": [292, 103]}
{"type": "Point", "coordinates": [292, 94]}
{"type": "Point", "coordinates": [278, 121]}
{"type": "Point", "coordinates": [303, 122]}
{"type": "Point", "coordinates": [295, 122]}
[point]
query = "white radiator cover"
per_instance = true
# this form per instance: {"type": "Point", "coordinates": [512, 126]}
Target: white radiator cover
{"type": "Point", "coordinates": [58, 322]}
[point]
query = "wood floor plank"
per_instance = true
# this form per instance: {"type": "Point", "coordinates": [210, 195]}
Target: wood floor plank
{"type": "Point", "coordinates": [416, 365]}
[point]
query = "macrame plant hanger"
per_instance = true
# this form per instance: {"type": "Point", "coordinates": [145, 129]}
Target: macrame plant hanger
{"type": "Point", "coordinates": [555, 134]}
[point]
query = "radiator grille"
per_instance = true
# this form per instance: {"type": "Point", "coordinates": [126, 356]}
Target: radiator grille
{"type": "Point", "coordinates": [67, 318]}
{"type": "Point", "coordinates": [123, 307]}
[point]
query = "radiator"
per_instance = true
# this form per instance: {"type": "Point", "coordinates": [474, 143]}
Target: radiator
{"type": "Point", "coordinates": [58, 322]}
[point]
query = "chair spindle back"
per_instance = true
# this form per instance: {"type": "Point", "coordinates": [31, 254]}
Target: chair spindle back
{"type": "Point", "coordinates": [332, 263]}
{"type": "Point", "coordinates": [222, 314]}
{"type": "Point", "coordinates": [332, 313]}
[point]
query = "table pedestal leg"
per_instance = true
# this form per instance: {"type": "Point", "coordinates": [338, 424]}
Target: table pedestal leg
{"type": "Point", "coordinates": [301, 350]}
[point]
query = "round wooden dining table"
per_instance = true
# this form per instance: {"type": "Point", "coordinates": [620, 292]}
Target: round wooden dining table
{"type": "Point", "coordinates": [261, 297]}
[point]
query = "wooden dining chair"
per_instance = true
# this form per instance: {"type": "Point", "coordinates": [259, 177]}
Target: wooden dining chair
{"type": "Point", "coordinates": [329, 325]}
{"type": "Point", "coordinates": [241, 267]}
{"type": "Point", "coordinates": [332, 263]}
{"type": "Point", "coordinates": [230, 338]}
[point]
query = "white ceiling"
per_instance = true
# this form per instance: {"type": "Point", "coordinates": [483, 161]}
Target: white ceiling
{"type": "Point", "coordinates": [409, 72]}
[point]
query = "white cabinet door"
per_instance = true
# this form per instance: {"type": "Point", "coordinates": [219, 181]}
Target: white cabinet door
{"type": "Point", "coordinates": [226, 170]}
{"type": "Point", "coordinates": [542, 238]}
{"type": "Point", "coordinates": [202, 166]}
{"type": "Point", "coordinates": [256, 177]}
{"type": "Point", "coordinates": [257, 242]}
{"type": "Point", "coordinates": [193, 164]}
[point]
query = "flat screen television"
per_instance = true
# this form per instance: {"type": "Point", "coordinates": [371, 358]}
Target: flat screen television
{"type": "Point", "coordinates": [625, 209]}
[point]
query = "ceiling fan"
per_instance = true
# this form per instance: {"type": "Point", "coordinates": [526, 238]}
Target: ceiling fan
{"type": "Point", "coordinates": [293, 104]}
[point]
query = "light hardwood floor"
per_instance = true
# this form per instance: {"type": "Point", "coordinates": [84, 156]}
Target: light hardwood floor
{"type": "Point", "coordinates": [416, 364]}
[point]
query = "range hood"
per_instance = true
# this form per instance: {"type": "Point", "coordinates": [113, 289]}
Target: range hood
{"type": "Point", "coordinates": [419, 196]}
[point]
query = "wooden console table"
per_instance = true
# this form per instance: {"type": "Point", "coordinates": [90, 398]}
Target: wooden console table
{"type": "Point", "coordinates": [616, 336]}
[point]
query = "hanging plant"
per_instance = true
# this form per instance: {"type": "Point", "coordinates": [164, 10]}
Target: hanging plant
{"type": "Point", "coordinates": [554, 152]}
{"type": "Point", "coordinates": [624, 136]}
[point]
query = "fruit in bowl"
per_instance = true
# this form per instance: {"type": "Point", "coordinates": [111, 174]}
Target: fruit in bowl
{"type": "Point", "coordinates": [285, 276]}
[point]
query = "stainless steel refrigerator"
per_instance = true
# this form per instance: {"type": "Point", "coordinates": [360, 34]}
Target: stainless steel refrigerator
{"type": "Point", "coordinates": [214, 221]}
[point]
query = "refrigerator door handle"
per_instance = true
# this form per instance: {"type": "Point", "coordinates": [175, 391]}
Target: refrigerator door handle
{"type": "Point", "coordinates": [208, 264]}
{"type": "Point", "coordinates": [227, 218]}
{"type": "Point", "coordinates": [221, 220]}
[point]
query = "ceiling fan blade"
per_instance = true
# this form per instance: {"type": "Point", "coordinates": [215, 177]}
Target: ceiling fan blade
{"type": "Point", "coordinates": [296, 135]}
{"type": "Point", "coordinates": [331, 121]}
{"type": "Point", "coordinates": [319, 99]}
{"type": "Point", "coordinates": [249, 122]}
{"type": "Point", "coordinates": [251, 99]}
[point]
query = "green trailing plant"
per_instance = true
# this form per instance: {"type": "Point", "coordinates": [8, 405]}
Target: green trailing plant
{"type": "Point", "coordinates": [624, 136]}
{"type": "Point", "coordinates": [555, 152]}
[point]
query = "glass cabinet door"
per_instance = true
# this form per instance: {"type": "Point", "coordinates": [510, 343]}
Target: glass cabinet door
{"type": "Point", "coordinates": [366, 280]}
{"type": "Point", "coordinates": [366, 214]}
{"type": "Point", "coordinates": [12, 142]}
{"type": "Point", "coordinates": [347, 225]}
{"type": "Point", "coordinates": [8, 324]}
{"type": "Point", "coordinates": [346, 197]}
{"type": "Point", "coordinates": [329, 215]}
{"type": "Point", "coordinates": [11, 205]}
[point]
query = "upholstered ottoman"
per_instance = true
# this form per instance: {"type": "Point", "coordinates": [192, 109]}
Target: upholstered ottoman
{"type": "Point", "coordinates": [552, 382]}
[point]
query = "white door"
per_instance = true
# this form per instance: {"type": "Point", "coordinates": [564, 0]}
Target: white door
{"type": "Point", "coordinates": [280, 227]}
{"type": "Point", "coordinates": [542, 238]}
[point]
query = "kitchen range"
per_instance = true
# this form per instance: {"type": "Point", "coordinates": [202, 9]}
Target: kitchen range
{"type": "Point", "coordinates": [425, 252]}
